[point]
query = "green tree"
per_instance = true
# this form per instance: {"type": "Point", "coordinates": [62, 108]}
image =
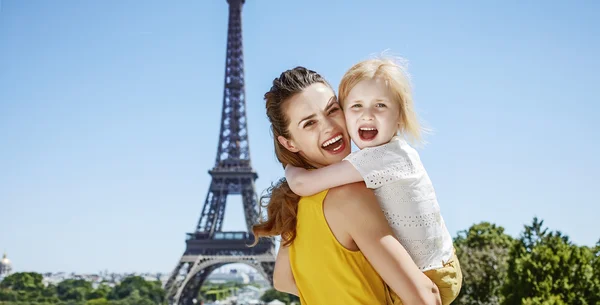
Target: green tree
{"type": "Point", "coordinates": [98, 301]}
{"type": "Point", "coordinates": [136, 284]}
{"type": "Point", "coordinates": [483, 253]}
{"type": "Point", "coordinates": [546, 268]}
{"type": "Point", "coordinates": [135, 298]}
{"type": "Point", "coordinates": [74, 290]}
{"type": "Point", "coordinates": [553, 300]}
{"type": "Point", "coordinates": [101, 292]}
{"type": "Point", "coordinates": [26, 287]}
{"type": "Point", "coordinates": [23, 281]}
{"type": "Point", "coordinates": [8, 295]}
{"type": "Point", "coordinates": [273, 294]}
{"type": "Point", "coordinates": [50, 291]}
{"type": "Point", "coordinates": [595, 299]}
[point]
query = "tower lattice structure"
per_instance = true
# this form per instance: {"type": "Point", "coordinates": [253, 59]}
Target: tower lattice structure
{"type": "Point", "coordinates": [209, 247]}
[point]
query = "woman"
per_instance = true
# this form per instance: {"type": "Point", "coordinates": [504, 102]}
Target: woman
{"type": "Point", "coordinates": [336, 245]}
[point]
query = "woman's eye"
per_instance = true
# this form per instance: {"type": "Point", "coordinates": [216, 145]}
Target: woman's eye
{"type": "Point", "coordinates": [333, 110]}
{"type": "Point", "coordinates": [309, 123]}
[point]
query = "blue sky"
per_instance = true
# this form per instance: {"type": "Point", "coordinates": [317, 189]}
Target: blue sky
{"type": "Point", "coordinates": [109, 114]}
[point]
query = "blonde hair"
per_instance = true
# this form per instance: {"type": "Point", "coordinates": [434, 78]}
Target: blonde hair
{"type": "Point", "coordinates": [393, 72]}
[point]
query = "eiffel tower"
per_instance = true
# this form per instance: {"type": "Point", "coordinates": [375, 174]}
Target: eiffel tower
{"type": "Point", "coordinates": [209, 248]}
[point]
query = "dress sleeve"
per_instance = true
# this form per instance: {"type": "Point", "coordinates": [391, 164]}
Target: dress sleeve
{"type": "Point", "coordinates": [386, 163]}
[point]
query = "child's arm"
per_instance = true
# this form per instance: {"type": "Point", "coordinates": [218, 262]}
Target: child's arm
{"type": "Point", "coordinates": [309, 182]}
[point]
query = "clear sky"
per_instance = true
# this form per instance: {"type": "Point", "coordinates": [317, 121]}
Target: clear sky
{"type": "Point", "coordinates": [109, 114]}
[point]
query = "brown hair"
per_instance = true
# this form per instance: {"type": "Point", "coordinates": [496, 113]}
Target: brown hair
{"type": "Point", "coordinates": [282, 205]}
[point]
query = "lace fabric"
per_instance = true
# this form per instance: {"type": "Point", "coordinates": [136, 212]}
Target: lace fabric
{"type": "Point", "coordinates": [407, 198]}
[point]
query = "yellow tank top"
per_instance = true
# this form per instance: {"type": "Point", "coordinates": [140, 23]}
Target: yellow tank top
{"type": "Point", "coordinates": [325, 271]}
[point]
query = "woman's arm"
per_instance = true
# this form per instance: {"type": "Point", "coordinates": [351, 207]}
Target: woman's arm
{"type": "Point", "coordinates": [369, 229]}
{"type": "Point", "coordinates": [283, 279]}
{"type": "Point", "coordinates": [305, 182]}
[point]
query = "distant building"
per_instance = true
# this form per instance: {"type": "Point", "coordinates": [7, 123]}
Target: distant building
{"type": "Point", "coordinates": [232, 276]}
{"type": "Point", "coordinates": [5, 267]}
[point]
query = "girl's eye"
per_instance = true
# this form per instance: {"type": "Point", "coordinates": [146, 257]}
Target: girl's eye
{"type": "Point", "coordinates": [309, 123]}
{"type": "Point", "coordinates": [356, 106]}
{"type": "Point", "coordinates": [381, 105]}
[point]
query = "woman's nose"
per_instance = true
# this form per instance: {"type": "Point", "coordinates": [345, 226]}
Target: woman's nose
{"type": "Point", "coordinates": [328, 125]}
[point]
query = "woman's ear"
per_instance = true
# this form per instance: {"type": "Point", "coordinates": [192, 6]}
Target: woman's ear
{"type": "Point", "coordinates": [288, 144]}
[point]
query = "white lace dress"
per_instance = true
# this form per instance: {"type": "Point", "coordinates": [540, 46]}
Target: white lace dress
{"type": "Point", "coordinates": [407, 198]}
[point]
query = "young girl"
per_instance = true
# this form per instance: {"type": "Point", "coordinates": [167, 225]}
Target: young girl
{"type": "Point", "coordinates": [376, 99]}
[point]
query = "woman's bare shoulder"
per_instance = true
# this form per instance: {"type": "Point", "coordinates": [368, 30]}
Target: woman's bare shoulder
{"type": "Point", "coordinates": [345, 207]}
{"type": "Point", "coordinates": [352, 198]}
